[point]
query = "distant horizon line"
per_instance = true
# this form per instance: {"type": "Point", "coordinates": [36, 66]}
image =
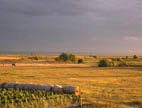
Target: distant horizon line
{"type": "Point", "coordinates": [59, 52]}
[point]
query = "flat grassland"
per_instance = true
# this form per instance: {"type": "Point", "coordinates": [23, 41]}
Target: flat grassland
{"type": "Point", "coordinates": [113, 86]}
{"type": "Point", "coordinates": [116, 86]}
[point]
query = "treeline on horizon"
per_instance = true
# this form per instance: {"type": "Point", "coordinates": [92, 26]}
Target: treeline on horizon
{"type": "Point", "coordinates": [100, 61]}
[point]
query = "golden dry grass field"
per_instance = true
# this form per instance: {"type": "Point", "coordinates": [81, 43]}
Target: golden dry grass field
{"type": "Point", "coordinates": [114, 87]}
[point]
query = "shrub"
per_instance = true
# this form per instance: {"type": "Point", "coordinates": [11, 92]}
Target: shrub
{"type": "Point", "coordinates": [135, 57]}
{"type": "Point", "coordinates": [115, 63]}
{"type": "Point", "coordinates": [72, 58]}
{"type": "Point", "coordinates": [67, 57]}
{"type": "Point", "coordinates": [112, 63]}
{"type": "Point", "coordinates": [80, 61]}
{"type": "Point", "coordinates": [94, 56]}
{"type": "Point", "coordinates": [122, 64]}
{"type": "Point", "coordinates": [116, 59]}
{"type": "Point", "coordinates": [127, 57]}
{"type": "Point", "coordinates": [57, 59]}
{"type": "Point", "coordinates": [119, 59]}
{"type": "Point", "coordinates": [64, 57]}
{"type": "Point", "coordinates": [104, 63]}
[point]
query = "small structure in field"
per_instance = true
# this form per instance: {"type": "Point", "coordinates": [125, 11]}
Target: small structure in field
{"type": "Point", "coordinates": [68, 89]}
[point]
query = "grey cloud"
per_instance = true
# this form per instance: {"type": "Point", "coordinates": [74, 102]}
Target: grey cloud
{"type": "Point", "coordinates": [43, 7]}
{"type": "Point", "coordinates": [86, 23]}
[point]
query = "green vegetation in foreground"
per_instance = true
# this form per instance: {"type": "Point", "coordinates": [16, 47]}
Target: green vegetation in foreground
{"type": "Point", "coordinates": [16, 98]}
{"type": "Point", "coordinates": [108, 86]}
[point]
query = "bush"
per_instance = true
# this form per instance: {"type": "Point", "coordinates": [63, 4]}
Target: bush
{"type": "Point", "coordinates": [104, 63]}
{"type": "Point", "coordinates": [64, 57]}
{"type": "Point", "coordinates": [80, 61]}
{"type": "Point", "coordinates": [112, 63]}
{"type": "Point", "coordinates": [127, 57]}
{"type": "Point", "coordinates": [119, 59]}
{"type": "Point", "coordinates": [57, 59]}
{"type": "Point", "coordinates": [67, 57]}
{"type": "Point", "coordinates": [72, 58]}
{"type": "Point", "coordinates": [135, 57]}
{"type": "Point", "coordinates": [122, 64]}
{"type": "Point", "coordinates": [94, 56]}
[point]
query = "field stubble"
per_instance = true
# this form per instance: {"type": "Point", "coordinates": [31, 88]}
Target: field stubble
{"type": "Point", "coordinates": [113, 86]}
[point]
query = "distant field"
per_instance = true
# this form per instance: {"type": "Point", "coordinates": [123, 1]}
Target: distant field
{"type": "Point", "coordinates": [110, 86]}
{"type": "Point", "coordinates": [114, 87]}
{"type": "Point", "coordinates": [8, 57]}
{"type": "Point", "coordinates": [49, 61]}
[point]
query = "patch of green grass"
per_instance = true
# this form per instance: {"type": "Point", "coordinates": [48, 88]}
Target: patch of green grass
{"type": "Point", "coordinates": [16, 98]}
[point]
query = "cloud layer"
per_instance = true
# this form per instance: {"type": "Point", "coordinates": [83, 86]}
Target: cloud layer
{"type": "Point", "coordinates": [71, 25]}
{"type": "Point", "coordinates": [132, 38]}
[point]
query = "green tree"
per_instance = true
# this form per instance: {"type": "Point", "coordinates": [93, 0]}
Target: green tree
{"type": "Point", "coordinates": [135, 57]}
{"type": "Point", "coordinates": [67, 57]}
{"type": "Point", "coordinates": [72, 58]}
{"type": "Point", "coordinates": [64, 57]}
{"type": "Point", "coordinates": [104, 63]}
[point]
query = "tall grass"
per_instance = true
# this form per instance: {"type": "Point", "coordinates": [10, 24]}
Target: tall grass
{"type": "Point", "coordinates": [16, 98]}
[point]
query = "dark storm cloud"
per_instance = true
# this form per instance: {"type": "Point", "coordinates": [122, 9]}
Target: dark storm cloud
{"type": "Point", "coordinates": [43, 7]}
{"type": "Point", "coordinates": [77, 25]}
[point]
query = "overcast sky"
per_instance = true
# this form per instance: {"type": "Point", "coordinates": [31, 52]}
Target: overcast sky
{"type": "Point", "coordinates": [99, 26]}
